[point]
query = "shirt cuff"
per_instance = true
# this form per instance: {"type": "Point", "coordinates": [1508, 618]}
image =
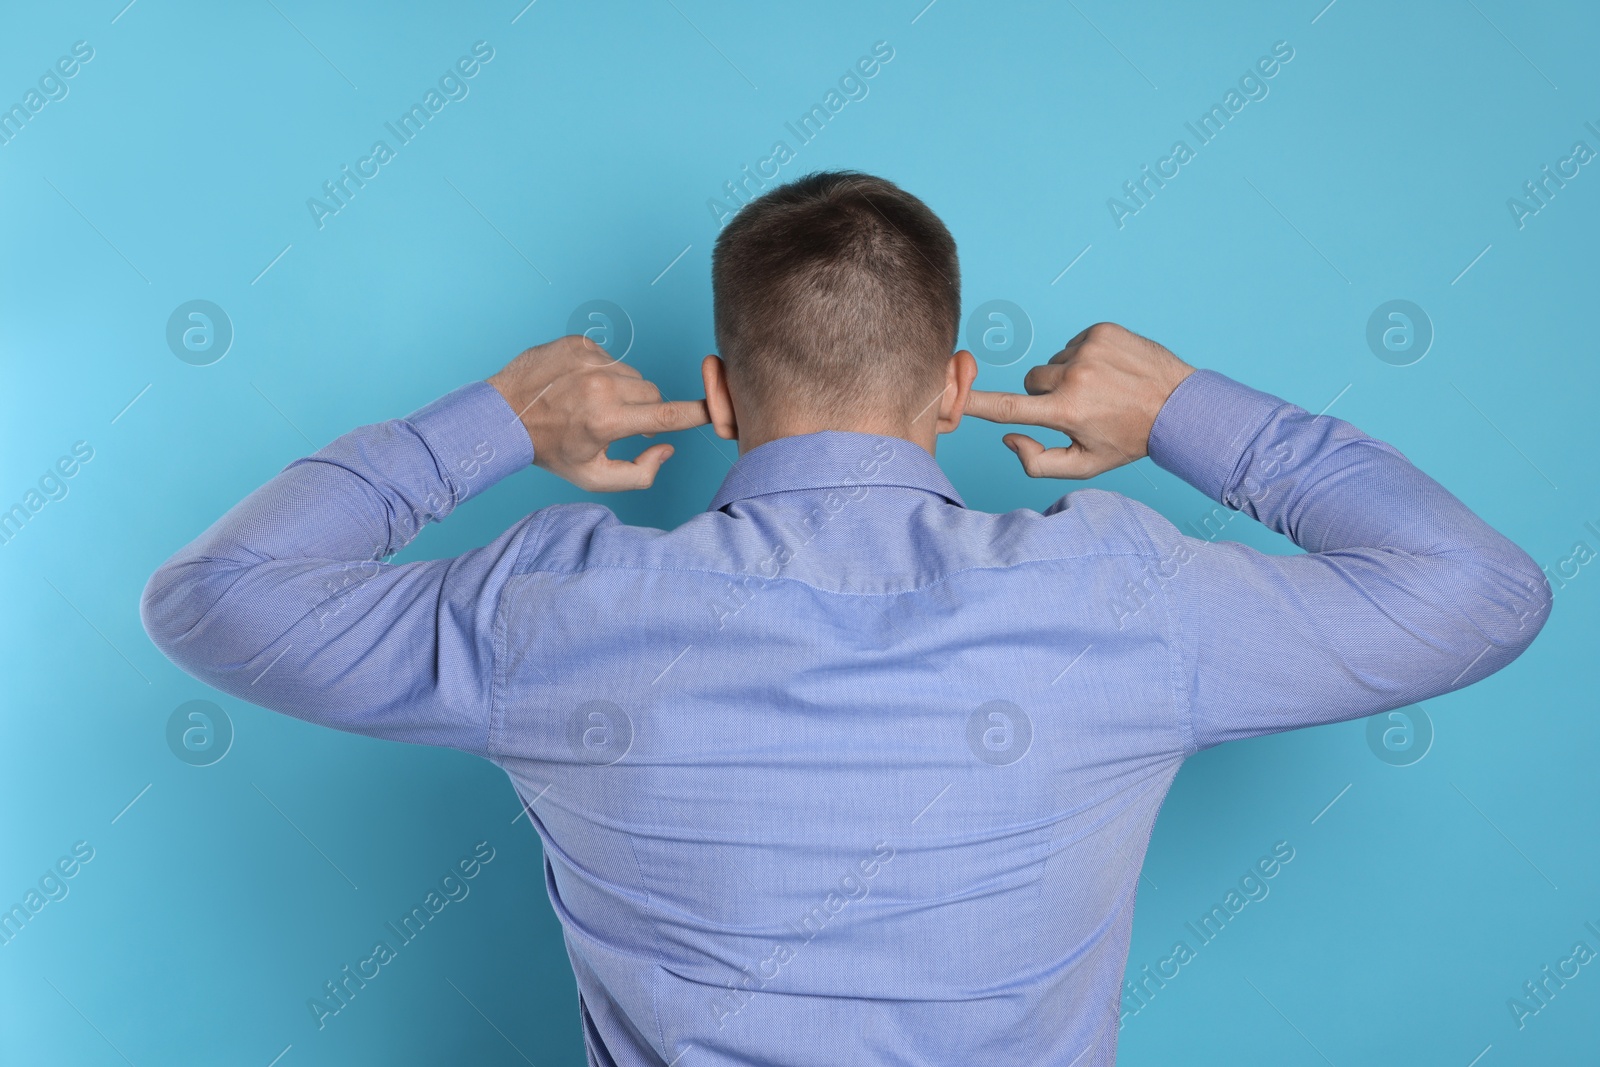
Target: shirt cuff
{"type": "Point", "coordinates": [1203, 430]}
{"type": "Point", "coordinates": [475, 437]}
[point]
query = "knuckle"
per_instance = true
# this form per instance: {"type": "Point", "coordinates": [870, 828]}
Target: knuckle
{"type": "Point", "coordinates": [1102, 333]}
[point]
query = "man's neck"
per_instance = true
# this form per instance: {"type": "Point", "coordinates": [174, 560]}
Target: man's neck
{"type": "Point", "coordinates": [921, 434]}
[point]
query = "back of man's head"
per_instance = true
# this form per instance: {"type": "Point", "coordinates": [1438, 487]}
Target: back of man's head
{"type": "Point", "coordinates": [837, 295]}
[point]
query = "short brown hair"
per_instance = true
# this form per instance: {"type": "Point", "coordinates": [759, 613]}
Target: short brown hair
{"type": "Point", "coordinates": [838, 291]}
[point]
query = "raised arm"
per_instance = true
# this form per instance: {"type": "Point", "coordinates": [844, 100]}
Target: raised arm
{"type": "Point", "coordinates": [286, 602]}
{"type": "Point", "coordinates": [1402, 594]}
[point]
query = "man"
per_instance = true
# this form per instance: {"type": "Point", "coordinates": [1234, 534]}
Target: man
{"type": "Point", "coordinates": [842, 771]}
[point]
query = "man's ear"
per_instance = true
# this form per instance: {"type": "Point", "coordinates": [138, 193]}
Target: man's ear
{"type": "Point", "coordinates": [959, 374]}
{"type": "Point", "coordinates": [719, 402]}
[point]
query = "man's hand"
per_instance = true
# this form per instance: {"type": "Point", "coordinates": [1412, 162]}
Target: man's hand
{"type": "Point", "coordinates": [1103, 390]}
{"type": "Point", "coordinates": [574, 400]}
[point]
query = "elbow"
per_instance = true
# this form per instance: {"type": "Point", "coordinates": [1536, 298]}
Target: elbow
{"type": "Point", "coordinates": [160, 606]}
{"type": "Point", "coordinates": [1515, 600]}
{"type": "Point", "coordinates": [1534, 603]}
{"type": "Point", "coordinates": [1490, 605]}
{"type": "Point", "coordinates": [177, 600]}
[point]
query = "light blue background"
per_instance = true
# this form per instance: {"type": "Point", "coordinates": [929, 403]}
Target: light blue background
{"type": "Point", "coordinates": [181, 161]}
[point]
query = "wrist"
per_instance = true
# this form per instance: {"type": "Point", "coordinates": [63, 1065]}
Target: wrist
{"type": "Point", "coordinates": [1206, 425]}
{"type": "Point", "coordinates": [1170, 381]}
{"type": "Point", "coordinates": [513, 400]}
{"type": "Point", "coordinates": [474, 437]}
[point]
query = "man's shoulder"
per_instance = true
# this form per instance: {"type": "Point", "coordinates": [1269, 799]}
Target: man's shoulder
{"type": "Point", "coordinates": [584, 535]}
{"type": "Point", "coordinates": [1107, 521]}
{"type": "Point", "coordinates": [1084, 523]}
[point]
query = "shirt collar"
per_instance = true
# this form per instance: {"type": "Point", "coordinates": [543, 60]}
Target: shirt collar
{"type": "Point", "coordinates": [832, 459]}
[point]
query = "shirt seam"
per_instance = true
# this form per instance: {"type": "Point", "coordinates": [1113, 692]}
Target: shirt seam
{"type": "Point", "coordinates": [498, 643]}
{"type": "Point", "coordinates": [1246, 442]}
{"type": "Point", "coordinates": [655, 975]}
{"type": "Point", "coordinates": [1177, 654]}
{"type": "Point", "coordinates": [583, 567]}
{"type": "Point", "coordinates": [1182, 700]}
{"type": "Point", "coordinates": [441, 468]}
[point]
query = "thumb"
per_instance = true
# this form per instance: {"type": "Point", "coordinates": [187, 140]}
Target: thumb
{"type": "Point", "coordinates": [606, 475]}
{"type": "Point", "coordinates": [1041, 462]}
{"type": "Point", "coordinates": [647, 464]}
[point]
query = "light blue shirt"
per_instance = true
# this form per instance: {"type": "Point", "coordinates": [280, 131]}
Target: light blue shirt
{"type": "Point", "coordinates": [841, 771]}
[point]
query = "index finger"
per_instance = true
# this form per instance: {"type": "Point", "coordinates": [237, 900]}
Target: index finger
{"type": "Point", "coordinates": [1069, 351]}
{"type": "Point", "coordinates": [662, 417]}
{"type": "Point", "coordinates": [1009, 407]}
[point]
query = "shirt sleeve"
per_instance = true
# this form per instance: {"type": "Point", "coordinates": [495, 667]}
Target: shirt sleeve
{"type": "Point", "coordinates": [286, 601]}
{"type": "Point", "coordinates": [1402, 593]}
